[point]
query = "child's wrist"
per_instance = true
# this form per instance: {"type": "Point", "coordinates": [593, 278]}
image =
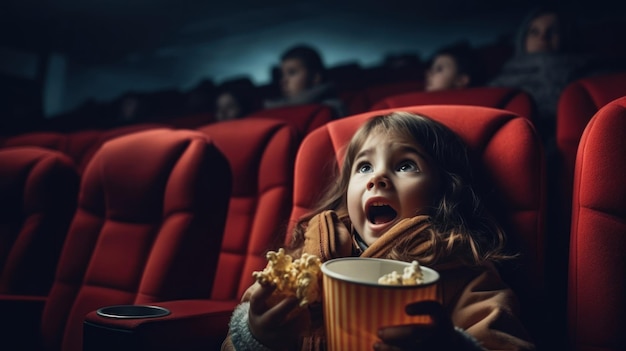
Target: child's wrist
{"type": "Point", "coordinates": [240, 335]}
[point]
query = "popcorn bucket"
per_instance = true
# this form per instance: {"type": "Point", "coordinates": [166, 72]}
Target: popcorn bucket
{"type": "Point", "coordinates": [356, 305]}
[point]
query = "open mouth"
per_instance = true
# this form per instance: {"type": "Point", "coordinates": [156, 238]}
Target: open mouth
{"type": "Point", "coordinates": [379, 213]}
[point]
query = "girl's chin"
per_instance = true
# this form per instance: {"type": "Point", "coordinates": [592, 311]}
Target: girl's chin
{"type": "Point", "coordinates": [375, 231]}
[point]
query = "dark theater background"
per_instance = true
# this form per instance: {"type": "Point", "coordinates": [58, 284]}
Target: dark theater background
{"type": "Point", "coordinates": [58, 56]}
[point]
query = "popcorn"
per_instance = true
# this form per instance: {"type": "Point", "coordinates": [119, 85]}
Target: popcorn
{"type": "Point", "coordinates": [412, 276]}
{"type": "Point", "coordinates": [300, 277]}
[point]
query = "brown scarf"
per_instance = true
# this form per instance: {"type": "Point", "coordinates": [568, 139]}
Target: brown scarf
{"type": "Point", "coordinates": [328, 237]}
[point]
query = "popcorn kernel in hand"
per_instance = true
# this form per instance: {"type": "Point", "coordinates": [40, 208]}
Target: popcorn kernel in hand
{"type": "Point", "coordinates": [300, 277]}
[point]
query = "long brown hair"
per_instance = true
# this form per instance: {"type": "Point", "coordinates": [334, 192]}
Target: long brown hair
{"type": "Point", "coordinates": [460, 226]}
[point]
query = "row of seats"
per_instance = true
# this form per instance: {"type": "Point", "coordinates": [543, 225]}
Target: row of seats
{"type": "Point", "coordinates": [261, 153]}
{"type": "Point", "coordinates": [518, 200]}
{"type": "Point", "coordinates": [79, 145]}
{"type": "Point", "coordinates": [518, 185]}
{"type": "Point", "coordinates": [39, 190]}
{"type": "Point", "coordinates": [147, 226]}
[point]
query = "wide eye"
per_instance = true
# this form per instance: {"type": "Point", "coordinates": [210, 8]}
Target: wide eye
{"type": "Point", "coordinates": [364, 167]}
{"type": "Point", "coordinates": [407, 166]}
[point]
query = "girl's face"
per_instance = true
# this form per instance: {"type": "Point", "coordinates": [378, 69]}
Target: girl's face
{"type": "Point", "coordinates": [391, 179]}
{"type": "Point", "coordinates": [543, 34]}
{"type": "Point", "coordinates": [295, 77]}
{"type": "Point", "coordinates": [443, 74]}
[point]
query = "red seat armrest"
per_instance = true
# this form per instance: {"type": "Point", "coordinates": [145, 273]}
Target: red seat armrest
{"type": "Point", "coordinates": [191, 325]}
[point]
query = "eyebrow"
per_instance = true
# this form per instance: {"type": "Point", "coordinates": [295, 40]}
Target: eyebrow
{"type": "Point", "coordinates": [363, 153]}
{"type": "Point", "coordinates": [403, 148]}
{"type": "Point", "coordinates": [412, 149]}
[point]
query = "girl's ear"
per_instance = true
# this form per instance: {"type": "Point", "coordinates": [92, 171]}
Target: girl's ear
{"type": "Point", "coordinates": [462, 81]}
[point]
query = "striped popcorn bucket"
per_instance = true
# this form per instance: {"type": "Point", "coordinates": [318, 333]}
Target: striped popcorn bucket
{"type": "Point", "coordinates": [355, 305]}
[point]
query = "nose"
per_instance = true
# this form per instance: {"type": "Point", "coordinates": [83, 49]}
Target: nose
{"type": "Point", "coordinates": [378, 181]}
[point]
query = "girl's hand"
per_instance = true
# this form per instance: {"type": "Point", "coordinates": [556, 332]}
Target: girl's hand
{"type": "Point", "coordinates": [270, 324]}
{"type": "Point", "coordinates": [438, 335]}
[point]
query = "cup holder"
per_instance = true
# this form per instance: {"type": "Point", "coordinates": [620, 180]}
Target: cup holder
{"type": "Point", "coordinates": [132, 311]}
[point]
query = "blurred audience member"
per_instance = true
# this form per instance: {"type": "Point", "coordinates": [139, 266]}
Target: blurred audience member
{"type": "Point", "coordinates": [548, 56]}
{"type": "Point", "coordinates": [199, 98]}
{"type": "Point", "coordinates": [303, 81]}
{"type": "Point", "coordinates": [234, 100]}
{"type": "Point", "coordinates": [454, 67]}
{"type": "Point", "coordinates": [131, 107]}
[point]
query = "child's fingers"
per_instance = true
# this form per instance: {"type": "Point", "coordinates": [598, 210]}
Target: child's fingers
{"type": "Point", "coordinates": [434, 309]}
{"type": "Point", "coordinates": [406, 335]}
{"type": "Point", "coordinates": [412, 336]}
{"type": "Point", "coordinates": [259, 297]}
{"type": "Point", "coordinates": [278, 313]}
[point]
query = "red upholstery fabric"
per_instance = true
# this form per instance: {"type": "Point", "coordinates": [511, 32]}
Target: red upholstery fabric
{"type": "Point", "coordinates": [48, 140]}
{"type": "Point", "coordinates": [378, 92]}
{"type": "Point", "coordinates": [511, 171]}
{"type": "Point", "coordinates": [305, 118]}
{"type": "Point", "coordinates": [597, 289]}
{"type": "Point", "coordinates": [148, 228]}
{"type": "Point", "coordinates": [261, 153]}
{"type": "Point", "coordinates": [578, 103]}
{"type": "Point", "coordinates": [79, 145]}
{"type": "Point", "coordinates": [191, 121]}
{"type": "Point", "coordinates": [39, 189]}
{"type": "Point", "coordinates": [364, 99]}
{"type": "Point", "coordinates": [80, 138]}
{"type": "Point", "coordinates": [510, 99]}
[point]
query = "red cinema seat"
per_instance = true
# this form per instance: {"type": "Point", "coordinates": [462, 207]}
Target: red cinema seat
{"type": "Point", "coordinates": [510, 99]}
{"type": "Point", "coordinates": [39, 190]}
{"type": "Point", "coordinates": [49, 140]}
{"type": "Point", "coordinates": [304, 118]}
{"type": "Point", "coordinates": [191, 121]}
{"type": "Point", "coordinates": [261, 154]}
{"type": "Point", "coordinates": [512, 169]}
{"type": "Point", "coordinates": [362, 99]}
{"type": "Point", "coordinates": [79, 145]}
{"type": "Point", "coordinates": [148, 228]}
{"type": "Point", "coordinates": [83, 144]}
{"type": "Point", "coordinates": [597, 261]}
{"type": "Point", "coordinates": [579, 101]}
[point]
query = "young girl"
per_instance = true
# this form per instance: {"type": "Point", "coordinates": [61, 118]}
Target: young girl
{"type": "Point", "coordinates": [404, 193]}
